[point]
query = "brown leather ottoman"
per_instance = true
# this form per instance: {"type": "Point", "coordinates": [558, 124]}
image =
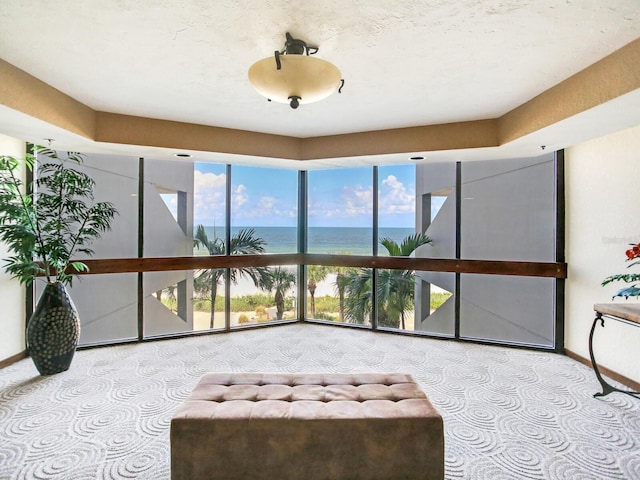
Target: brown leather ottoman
{"type": "Point", "coordinates": [307, 426]}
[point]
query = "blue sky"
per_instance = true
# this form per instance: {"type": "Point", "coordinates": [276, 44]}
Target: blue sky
{"type": "Point", "coordinates": [337, 197]}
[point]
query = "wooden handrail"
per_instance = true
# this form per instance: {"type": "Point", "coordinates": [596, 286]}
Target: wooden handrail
{"type": "Point", "coordinates": [487, 267]}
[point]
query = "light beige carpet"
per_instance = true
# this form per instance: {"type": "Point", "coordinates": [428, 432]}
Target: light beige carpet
{"type": "Point", "coordinates": [508, 414]}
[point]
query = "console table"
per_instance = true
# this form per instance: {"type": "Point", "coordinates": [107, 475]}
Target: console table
{"type": "Point", "coordinates": [629, 314]}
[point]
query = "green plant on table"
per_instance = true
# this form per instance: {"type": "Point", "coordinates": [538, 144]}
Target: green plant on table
{"type": "Point", "coordinates": [632, 254]}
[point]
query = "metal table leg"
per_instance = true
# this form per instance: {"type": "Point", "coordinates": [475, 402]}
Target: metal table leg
{"type": "Point", "coordinates": [606, 387]}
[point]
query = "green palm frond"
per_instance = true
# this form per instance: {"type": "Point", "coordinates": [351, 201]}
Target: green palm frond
{"type": "Point", "coordinates": [246, 243]}
{"type": "Point", "coordinates": [281, 279]}
{"type": "Point", "coordinates": [624, 277]}
{"type": "Point", "coordinates": [60, 220]}
{"type": "Point", "coordinates": [409, 244]}
{"type": "Point", "coordinates": [214, 247]}
{"type": "Point", "coordinates": [394, 288]}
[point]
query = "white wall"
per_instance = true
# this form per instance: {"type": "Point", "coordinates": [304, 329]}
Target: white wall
{"type": "Point", "coordinates": [602, 195]}
{"type": "Point", "coordinates": [12, 340]}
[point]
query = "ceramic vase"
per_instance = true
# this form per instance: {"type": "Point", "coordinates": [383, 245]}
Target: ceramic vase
{"type": "Point", "coordinates": [53, 330]}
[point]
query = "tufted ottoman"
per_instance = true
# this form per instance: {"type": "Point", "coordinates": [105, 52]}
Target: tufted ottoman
{"type": "Point", "coordinates": [307, 426]}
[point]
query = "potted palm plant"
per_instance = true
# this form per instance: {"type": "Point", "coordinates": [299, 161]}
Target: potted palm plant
{"type": "Point", "coordinates": [43, 231]}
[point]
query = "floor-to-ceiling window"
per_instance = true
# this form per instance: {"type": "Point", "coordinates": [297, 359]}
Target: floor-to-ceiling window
{"type": "Point", "coordinates": [209, 234]}
{"type": "Point", "coordinates": [436, 216]}
{"type": "Point", "coordinates": [108, 304]}
{"type": "Point", "coordinates": [508, 211]}
{"type": "Point", "coordinates": [340, 221]}
{"type": "Point", "coordinates": [397, 236]}
{"type": "Point", "coordinates": [167, 221]}
{"type": "Point", "coordinates": [498, 210]}
{"type": "Point", "coordinates": [264, 219]}
{"type": "Point", "coordinates": [335, 218]}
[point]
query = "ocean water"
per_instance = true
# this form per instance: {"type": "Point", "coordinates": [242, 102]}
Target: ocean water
{"type": "Point", "coordinates": [336, 240]}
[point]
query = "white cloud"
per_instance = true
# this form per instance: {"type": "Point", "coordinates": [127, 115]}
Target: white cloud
{"type": "Point", "coordinates": [270, 207]}
{"type": "Point", "coordinates": [240, 197]}
{"type": "Point", "coordinates": [267, 203]}
{"type": "Point", "coordinates": [171, 202]}
{"type": "Point", "coordinates": [357, 200]}
{"type": "Point", "coordinates": [392, 182]}
{"type": "Point", "coordinates": [394, 197]}
{"type": "Point", "coordinates": [353, 201]}
{"type": "Point", "coordinates": [351, 206]}
{"type": "Point", "coordinates": [208, 181]}
{"type": "Point", "coordinates": [209, 198]}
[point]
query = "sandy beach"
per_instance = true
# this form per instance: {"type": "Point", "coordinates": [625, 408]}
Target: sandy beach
{"type": "Point", "coordinates": [246, 287]}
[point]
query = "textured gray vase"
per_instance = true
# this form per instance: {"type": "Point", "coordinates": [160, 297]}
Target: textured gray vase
{"type": "Point", "coordinates": [53, 330]}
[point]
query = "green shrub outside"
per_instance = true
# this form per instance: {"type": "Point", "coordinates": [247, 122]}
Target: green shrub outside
{"type": "Point", "coordinates": [170, 303]}
{"type": "Point", "coordinates": [326, 303]}
{"type": "Point", "coordinates": [438, 298]}
{"type": "Point", "coordinates": [247, 303]}
{"type": "Point", "coordinates": [326, 316]}
{"type": "Point", "coordinates": [329, 304]}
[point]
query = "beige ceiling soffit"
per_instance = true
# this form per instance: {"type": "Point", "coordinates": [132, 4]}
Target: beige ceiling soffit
{"type": "Point", "coordinates": [131, 130]}
{"type": "Point", "coordinates": [609, 78]}
{"type": "Point", "coordinates": [448, 136]}
{"type": "Point", "coordinates": [25, 93]}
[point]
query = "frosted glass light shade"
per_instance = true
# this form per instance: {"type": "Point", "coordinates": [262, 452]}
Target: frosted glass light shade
{"type": "Point", "coordinates": [307, 77]}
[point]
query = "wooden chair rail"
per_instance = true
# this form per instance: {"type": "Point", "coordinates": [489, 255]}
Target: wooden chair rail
{"type": "Point", "coordinates": [487, 267]}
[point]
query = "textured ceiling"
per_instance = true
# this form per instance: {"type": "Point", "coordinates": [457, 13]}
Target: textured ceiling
{"type": "Point", "coordinates": [405, 63]}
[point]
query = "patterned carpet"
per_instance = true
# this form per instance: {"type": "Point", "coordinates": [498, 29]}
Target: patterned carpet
{"type": "Point", "coordinates": [508, 414]}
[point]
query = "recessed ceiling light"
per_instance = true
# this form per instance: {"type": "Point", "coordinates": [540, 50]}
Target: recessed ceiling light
{"type": "Point", "coordinates": [182, 155]}
{"type": "Point", "coordinates": [416, 158]}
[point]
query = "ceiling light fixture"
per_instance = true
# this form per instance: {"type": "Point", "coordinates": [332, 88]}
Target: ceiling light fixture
{"type": "Point", "coordinates": [293, 76]}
